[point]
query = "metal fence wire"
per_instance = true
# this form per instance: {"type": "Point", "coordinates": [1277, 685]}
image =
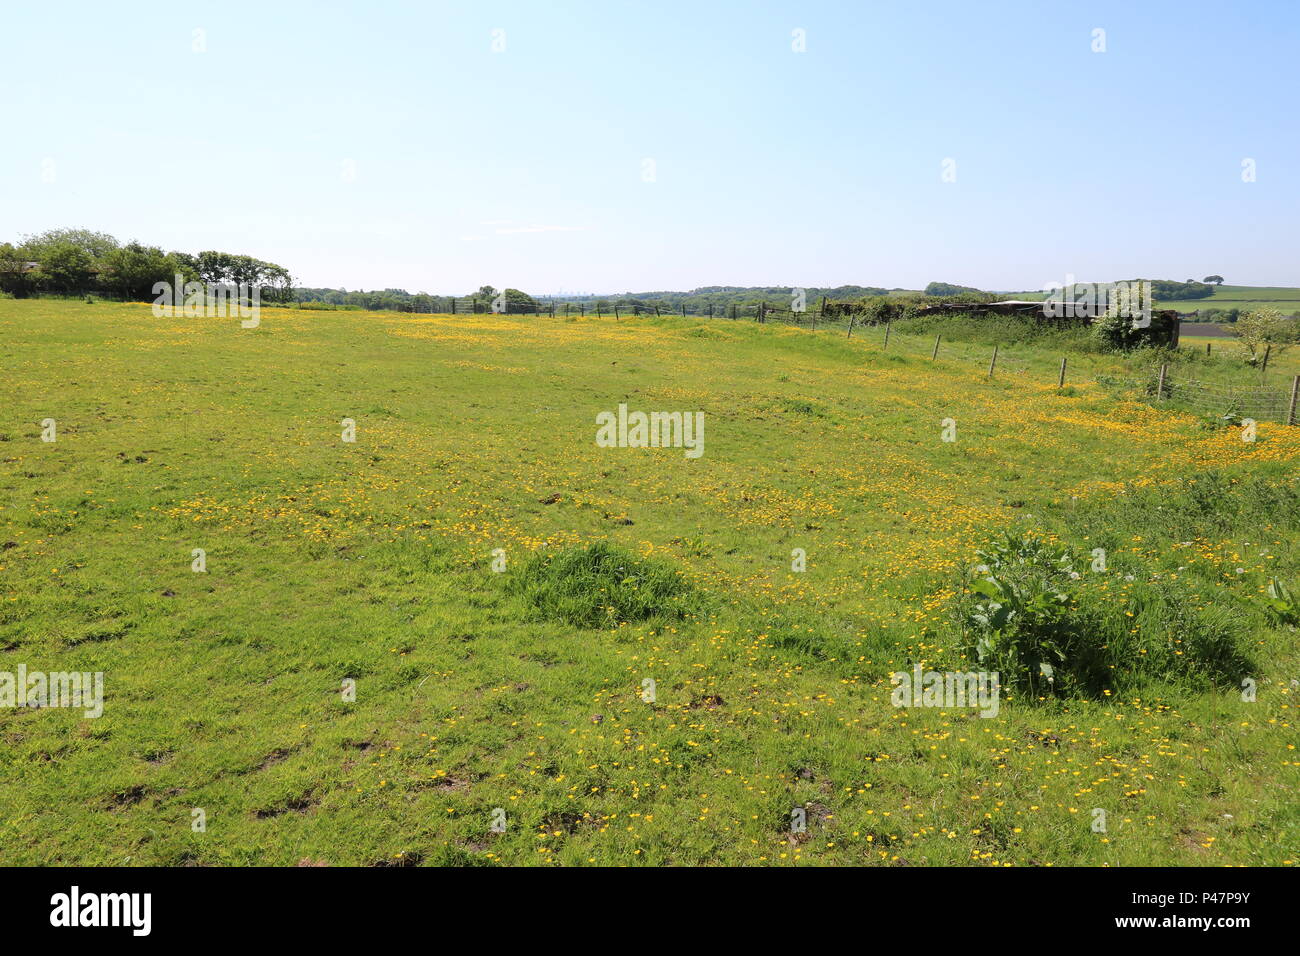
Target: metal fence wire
{"type": "Point", "coordinates": [1263, 402]}
{"type": "Point", "coordinates": [1273, 403]}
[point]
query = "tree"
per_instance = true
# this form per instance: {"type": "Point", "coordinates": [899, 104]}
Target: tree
{"type": "Point", "coordinates": [1167, 290]}
{"type": "Point", "coordinates": [948, 288]}
{"type": "Point", "coordinates": [273, 282]}
{"type": "Point", "coordinates": [16, 276]}
{"type": "Point", "coordinates": [65, 267]}
{"type": "Point", "coordinates": [1216, 280]}
{"type": "Point", "coordinates": [517, 301]}
{"type": "Point", "coordinates": [81, 260]}
{"type": "Point", "coordinates": [276, 282]}
{"type": "Point", "coordinates": [1266, 329]}
{"type": "Point", "coordinates": [131, 271]}
{"type": "Point", "coordinates": [69, 259]}
{"type": "Point", "coordinates": [96, 245]}
{"type": "Point", "coordinates": [214, 268]}
{"type": "Point", "coordinates": [245, 270]}
{"type": "Point", "coordinates": [189, 264]}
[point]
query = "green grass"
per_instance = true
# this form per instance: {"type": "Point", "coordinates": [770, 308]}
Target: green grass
{"type": "Point", "coordinates": [1283, 298]}
{"type": "Point", "coordinates": [1248, 297]}
{"type": "Point", "coordinates": [373, 561]}
{"type": "Point", "coordinates": [600, 585]}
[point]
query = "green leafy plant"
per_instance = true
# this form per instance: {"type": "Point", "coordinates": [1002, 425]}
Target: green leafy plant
{"type": "Point", "coordinates": [1017, 619]}
{"type": "Point", "coordinates": [1051, 630]}
{"type": "Point", "coordinates": [1281, 603]}
{"type": "Point", "coordinates": [1266, 329]}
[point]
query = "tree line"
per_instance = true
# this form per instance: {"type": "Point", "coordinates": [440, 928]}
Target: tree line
{"type": "Point", "coordinates": [83, 262]}
{"type": "Point", "coordinates": [400, 300]}
{"type": "Point", "coordinates": [720, 299]}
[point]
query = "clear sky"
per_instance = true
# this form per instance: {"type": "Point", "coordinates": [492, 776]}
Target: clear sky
{"type": "Point", "coordinates": [384, 144]}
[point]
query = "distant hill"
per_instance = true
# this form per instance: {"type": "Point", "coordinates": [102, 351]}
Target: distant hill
{"type": "Point", "coordinates": [948, 288]}
{"type": "Point", "coordinates": [722, 298]}
{"type": "Point", "coordinates": [1283, 298]}
{"type": "Point", "coordinates": [1224, 298]}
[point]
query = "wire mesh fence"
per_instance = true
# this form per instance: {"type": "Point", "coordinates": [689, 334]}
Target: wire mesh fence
{"type": "Point", "coordinates": [475, 305]}
{"type": "Point", "coordinates": [1259, 402]}
{"type": "Point", "coordinates": [1275, 403]}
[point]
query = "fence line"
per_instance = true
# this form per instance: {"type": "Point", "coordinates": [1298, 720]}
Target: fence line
{"type": "Point", "coordinates": [1279, 403]}
{"type": "Point", "coordinates": [1259, 402]}
{"type": "Point", "coordinates": [761, 312]}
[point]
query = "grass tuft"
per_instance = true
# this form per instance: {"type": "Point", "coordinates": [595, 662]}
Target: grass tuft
{"type": "Point", "coordinates": [601, 585]}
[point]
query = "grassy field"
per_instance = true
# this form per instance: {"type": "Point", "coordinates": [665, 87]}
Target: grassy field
{"type": "Point", "coordinates": [1284, 298]}
{"type": "Point", "coordinates": [372, 561]}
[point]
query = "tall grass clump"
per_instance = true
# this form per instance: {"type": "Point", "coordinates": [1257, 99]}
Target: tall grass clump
{"type": "Point", "coordinates": [1052, 623]}
{"type": "Point", "coordinates": [1209, 504]}
{"type": "Point", "coordinates": [602, 585]}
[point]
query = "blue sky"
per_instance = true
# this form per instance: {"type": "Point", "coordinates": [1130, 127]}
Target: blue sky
{"type": "Point", "coordinates": [384, 144]}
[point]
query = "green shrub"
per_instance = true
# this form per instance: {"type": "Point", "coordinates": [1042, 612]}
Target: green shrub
{"type": "Point", "coordinates": [601, 585]}
{"type": "Point", "coordinates": [1282, 605]}
{"type": "Point", "coordinates": [1052, 626]}
{"type": "Point", "coordinates": [1264, 329]}
{"type": "Point", "coordinates": [1016, 620]}
{"type": "Point", "coordinates": [1116, 332]}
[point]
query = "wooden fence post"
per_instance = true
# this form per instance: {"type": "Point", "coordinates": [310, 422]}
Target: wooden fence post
{"type": "Point", "coordinates": [1160, 385]}
{"type": "Point", "coordinates": [1060, 383]}
{"type": "Point", "coordinates": [1263, 366]}
{"type": "Point", "coordinates": [994, 363]}
{"type": "Point", "coordinates": [1295, 390]}
{"type": "Point", "coordinates": [888, 323]}
{"type": "Point", "coordinates": [852, 318]}
{"type": "Point", "coordinates": [1207, 349]}
{"type": "Point", "coordinates": [935, 354]}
